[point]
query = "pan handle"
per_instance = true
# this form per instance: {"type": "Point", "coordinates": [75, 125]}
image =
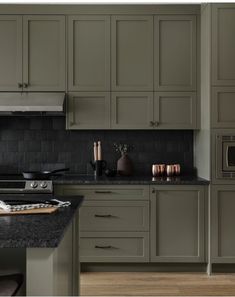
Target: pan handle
{"type": "Point", "coordinates": [59, 170]}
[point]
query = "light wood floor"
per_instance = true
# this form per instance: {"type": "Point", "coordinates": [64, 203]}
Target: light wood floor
{"type": "Point", "coordinates": [156, 284]}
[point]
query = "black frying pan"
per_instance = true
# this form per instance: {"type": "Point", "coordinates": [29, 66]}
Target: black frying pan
{"type": "Point", "coordinates": [41, 174]}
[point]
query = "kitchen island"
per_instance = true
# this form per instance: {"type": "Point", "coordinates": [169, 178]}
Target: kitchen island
{"type": "Point", "coordinates": [42, 247]}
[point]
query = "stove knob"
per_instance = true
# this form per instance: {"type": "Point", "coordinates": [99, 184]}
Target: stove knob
{"type": "Point", "coordinates": [33, 184]}
{"type": "Point", "coordinates": [43, 184]}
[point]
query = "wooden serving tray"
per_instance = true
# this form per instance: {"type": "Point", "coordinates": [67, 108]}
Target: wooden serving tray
{"type": "Point", "coordinates": [46, 210]}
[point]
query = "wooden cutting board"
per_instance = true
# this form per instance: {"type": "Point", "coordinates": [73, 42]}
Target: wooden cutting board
{"type": "Point", "coordinates": [46, 210]}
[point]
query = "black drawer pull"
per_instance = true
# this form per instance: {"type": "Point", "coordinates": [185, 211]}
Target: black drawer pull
{"type": "Point", "coordinates": [103, 192]}
{"type": "Point", "coordinates": [103, 246]}
{"type": "Point", "coordinates": [103, 216]}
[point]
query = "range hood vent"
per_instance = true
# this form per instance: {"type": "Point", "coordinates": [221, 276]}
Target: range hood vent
{"type": "Point", "coordinates": [32, 103]}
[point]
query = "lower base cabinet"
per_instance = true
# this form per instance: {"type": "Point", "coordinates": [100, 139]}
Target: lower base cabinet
{"type": "Point", "coordinates": [223, 224]}
{"type": "Point", "coordinates": [177, 224]}
{"type": "Point", "coordinates": [139, 223]}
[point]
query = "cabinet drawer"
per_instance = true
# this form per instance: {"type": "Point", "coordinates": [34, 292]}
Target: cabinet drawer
{"type": "Point", "coordinates": [107, 192]}
{"type": "Point", "coordinates": [114, 247]}
{"type": "Point", "coordinates": [114, 216]}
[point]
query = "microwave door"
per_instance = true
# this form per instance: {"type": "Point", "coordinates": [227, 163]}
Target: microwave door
{"type": "Point", "coordinates": [229, 157]}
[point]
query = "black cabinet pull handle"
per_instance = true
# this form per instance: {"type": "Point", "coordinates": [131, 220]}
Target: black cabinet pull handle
{"type": "Point", "coordinates": [20, 85]}
{"type": "Point", "coordinates": [103, 216]}
{"type": "Point", "coordinates": [103, 192]}
{"type": "Point", "coordinates": [25, 85]}
{"type": "Point", "coordinates": [103, 246]}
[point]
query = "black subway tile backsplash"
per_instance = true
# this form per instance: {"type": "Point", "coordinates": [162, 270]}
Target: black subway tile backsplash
{"type": "Point", "coordinates": [42, 143]}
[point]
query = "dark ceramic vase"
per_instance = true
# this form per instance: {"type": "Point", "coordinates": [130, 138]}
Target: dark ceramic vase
{"type": "Point", "coordinates": [124, 165]}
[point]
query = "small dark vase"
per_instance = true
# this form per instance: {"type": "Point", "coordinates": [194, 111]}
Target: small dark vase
{"type": "Point", "coordinates": [124, 165]}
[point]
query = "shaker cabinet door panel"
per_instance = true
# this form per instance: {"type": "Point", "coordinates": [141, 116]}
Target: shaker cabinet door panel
{"type": "Point", "coordinates": [223, 222]}
{"type": "Point", "coordinates": [89, 53]}
{"type": "Point", "coordinates": [131, 110]}
{"type": "Point", "coordinates": [177, 224]}
{"type": "Point", "coordinates": [10, 53]}
{"type": "Point", "coordinates": [44, 53]}
{"type": "Point", "coordinates": [222, 107]}
{"type": "Point", "coordinates": [223, 44]}
{"type": "Point", "coordinates": [88, 110]}
{"type": "Point", "coordinates": [132, 53]}
{"type": "Point", "coordinates": [175, 110]}
{"type": "Point", "coordinates": [174, 53]}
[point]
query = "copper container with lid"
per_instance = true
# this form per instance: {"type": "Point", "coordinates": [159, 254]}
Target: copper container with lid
{"type": "Point", "coordinates": [176, 169]}
{"type": "Point", "coordinates": [158, 169]}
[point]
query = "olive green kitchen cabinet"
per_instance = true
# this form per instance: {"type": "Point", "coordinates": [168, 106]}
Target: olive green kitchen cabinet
{"type": "Point", "coordinates": [175, 110]}
{"type": "Point", "coordinates": [44, 53]}
{"type": "Point", "coordinates": [223, 44]}
{"type": "Point", "coordinates": [177, 224]}
{"type": "Point", "coordinates": [88, 110]}
{"type": "Point", "coordinates": [32, 54]}
{"type": "Point", "coordinates": [132, 53]}
{"type": "Point", "coordinates": [222, 107]}
{"type": "Point", "coordinates": [10, 52]}
{"type": "Point", "coordinates": [89, 53]}
{"type": "Point", "coordinates": [161, 110]}
{"type": "Point", "coordinates": [222, 223]}
{"type": "Point", "coordinates": [175, 48]}
{"type": "Point", "coordinates": [114, 222]}
{"type": "Point", "coordinates": [132, 110]}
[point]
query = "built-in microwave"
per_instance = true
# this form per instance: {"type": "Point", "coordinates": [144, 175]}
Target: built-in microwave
{"type": "Point", "coordinates": [225, 156]}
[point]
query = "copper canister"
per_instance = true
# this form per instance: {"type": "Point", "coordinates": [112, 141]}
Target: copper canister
{"type": "Point", "coordinates": [155, 170]}
{"type": "Point", "coordinates": [158, 169]}
{"type": "Point", "coordinates": [162, 168]}
{"type": "Point", "coordinates": [169, 170]}
{"type": "Point", "coordinates": [176, 169]}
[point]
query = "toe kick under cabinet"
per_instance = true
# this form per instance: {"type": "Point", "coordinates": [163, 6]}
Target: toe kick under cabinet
{"type": "Point", "coordinates": [140, 223]}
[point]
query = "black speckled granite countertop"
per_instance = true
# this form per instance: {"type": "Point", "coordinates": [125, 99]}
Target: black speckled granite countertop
{"type": "Point", "coordinates": [73, 179]}
{"type": "Point", "coordinates": [36, 231]}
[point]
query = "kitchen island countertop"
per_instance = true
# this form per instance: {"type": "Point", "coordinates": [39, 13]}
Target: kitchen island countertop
{"type": "Point", "coordinates": [38, 230]}
{"type": "Point", "coordinates": [75, 179]}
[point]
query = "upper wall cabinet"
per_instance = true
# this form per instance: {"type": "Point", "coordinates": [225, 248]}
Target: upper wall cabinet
{"type": "Point", "coordinates": [88, 110]}
{"type": "Point", "coordinates": [222, 107]}
{"type": "Point", "coordinates": [10, 53]}
{"type": "Point", "coordinates": [223, 44]}
{"type": "Point", "coordinates": [175, 53]}
{"type": "Point", "coordinates": [44, 53]}
{"type": "Point", "coordinates": [32, 53]}
{"type": "Point", "coordinates": [132, 53]}
{"type": "Point", "coordinates": [89, 53]}
{"type": "Point", "coordinates": [175, 110]}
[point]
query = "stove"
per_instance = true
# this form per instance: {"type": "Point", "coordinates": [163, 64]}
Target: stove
{"type": "Point", "coordinates": [16, 184]}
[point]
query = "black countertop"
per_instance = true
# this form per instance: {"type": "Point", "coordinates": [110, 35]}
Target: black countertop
{"type": "Point", "coordinates": [39, 230]}
{"type": "Point", "coordinates": [73, 179]}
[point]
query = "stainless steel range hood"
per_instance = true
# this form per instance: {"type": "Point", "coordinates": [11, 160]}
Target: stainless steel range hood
{"type": "Point", "coordinates": [32, 103]}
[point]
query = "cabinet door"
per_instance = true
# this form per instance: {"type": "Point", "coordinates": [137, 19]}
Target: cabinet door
{"type": "Point", "coordinates": [223, 44]}
{"type": "Point", "coordinates": [223, 106]}
{"type": "Point", "coordinates": [177, 224]}
{"type": "Point", "coordinates": [175, 53]}
{"type": "Point", "coordinates": [132, 53]}
{"type": "Point", "coordinates": [10, 53]}
{"type": "Point", "coordinates": [175, 110]}
{"type": "Point", "coordinates": [89, 53]}
{"type": "Point", "coordinates": [223, 222]}
{"type": "Point", "coordinates": [88, 110]}
{"type": "Point", "coordinates": [132, 110]}
{"type": "Point", "coordinates": [44, 53]}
